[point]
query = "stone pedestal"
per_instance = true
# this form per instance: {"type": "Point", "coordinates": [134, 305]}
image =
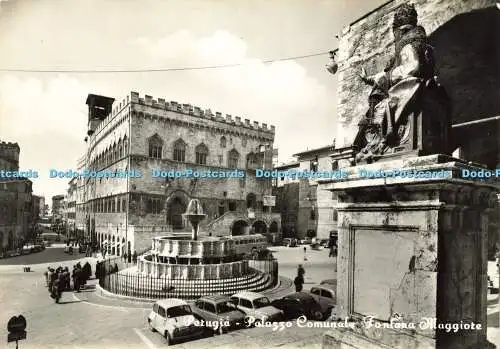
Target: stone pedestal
{"type": "Point", "coordinates": [413, 249]}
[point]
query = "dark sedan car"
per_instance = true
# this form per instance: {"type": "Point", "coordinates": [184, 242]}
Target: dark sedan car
{"type": "Point", "coordinates": [298, 304]}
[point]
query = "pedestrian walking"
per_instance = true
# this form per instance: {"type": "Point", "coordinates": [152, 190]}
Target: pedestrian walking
{"type": "Point", "coordinates": [305, 253]}
{"type": "Point", "coordinates": [125, 257]}
{"type": "Point", "coordinates": [300, 270]}
{"type": "Point", "coordinates": [135, 257]}
{"type": "Point", "coordinates": [46, 274]}
{"type": "Point", "coordinates": [298, 282]}
{"type": "Point", "coordinates": [87, 272]}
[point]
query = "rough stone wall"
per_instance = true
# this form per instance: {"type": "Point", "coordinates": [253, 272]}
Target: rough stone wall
{"type": "Point", "coordinates": [15, 209]}
{"type": "Point", "coordinates": [9, 156]}
{"type": "Point", "coordinates": [287, 204]}
{"type": "Point", "coordinates": [464, 34]}
{"type": "Point", "coordinates": [326, 218]}
{"type": "Point", "coordinates": [206, 132]}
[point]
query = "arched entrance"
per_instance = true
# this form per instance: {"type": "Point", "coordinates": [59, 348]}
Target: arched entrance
{"type": "Point", "coordinates": [251, 201]}
{"type": "Point", "coordinates": [239, 228]}
{"type": "Point", "coordinates": [259, 227]}
{"type": "Point", "coordinates": [175, 210]}
{"type": "Point", "coordinates": [273, 228]}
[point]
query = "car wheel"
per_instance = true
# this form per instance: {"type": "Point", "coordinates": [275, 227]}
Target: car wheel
{"type": "Point", "coordinates": [317, 315]}
{"type": "Point", "coordinates": [168, 340]}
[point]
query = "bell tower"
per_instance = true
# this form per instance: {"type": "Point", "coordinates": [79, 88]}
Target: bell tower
{"type": "Point", "coordinates": [99, 108]}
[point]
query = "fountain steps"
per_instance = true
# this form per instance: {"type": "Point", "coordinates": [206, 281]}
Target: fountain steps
{"type": "Point", "coordinates": [192, 289]}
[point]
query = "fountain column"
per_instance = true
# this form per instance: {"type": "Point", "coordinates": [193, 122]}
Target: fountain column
{"type": "Point", "coordinates": [194, 215]}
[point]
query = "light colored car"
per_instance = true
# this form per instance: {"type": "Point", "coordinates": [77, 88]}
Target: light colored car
{"type": "Point", "coordinates": [325, 295]}
{"type": "Point", "coordinates": [174, 319]}
{"type": "Point", "coordinates": [256, 306]}
{"type": "Point", "coordinates": [218, 313]}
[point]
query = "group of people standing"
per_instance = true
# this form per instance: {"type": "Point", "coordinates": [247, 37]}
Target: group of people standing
{"type": "Point", "coordinates": [59, 280]}
{"type": "Point", "coordinates": [130, 257]}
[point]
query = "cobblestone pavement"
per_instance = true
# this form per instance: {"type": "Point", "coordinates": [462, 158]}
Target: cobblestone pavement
{"type": "Point", "coordinates": [79, 324]}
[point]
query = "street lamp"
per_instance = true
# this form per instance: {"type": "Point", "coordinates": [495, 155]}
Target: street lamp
{"type": "Point", "coordinates": [332, 66]}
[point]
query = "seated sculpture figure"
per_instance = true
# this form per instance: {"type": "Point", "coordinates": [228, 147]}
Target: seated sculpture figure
{"type": "Point", "coordinates": [396, 91]}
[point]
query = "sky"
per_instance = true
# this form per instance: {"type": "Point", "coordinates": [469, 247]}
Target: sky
{"type": "Point", "coordinates": [46, 113]}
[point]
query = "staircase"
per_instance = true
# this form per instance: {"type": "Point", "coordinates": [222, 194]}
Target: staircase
{"type": "Point", "coordinates": [222, 224]}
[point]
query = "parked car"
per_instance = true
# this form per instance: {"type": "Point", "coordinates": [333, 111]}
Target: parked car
{"type": "Point", "coordinates": [306, 241]}
{"type": "Point", "coordinates": [257, 306]}
{"type": "Point", "coordinates": [301, 303]}
{"type": "Point", "coordinates": [174, 319]}
{"type": "Point", "coordinates": [324, 242]}
{"type": "Point", "coordinates": [220, 314]}
{"type": "Point", "coordinates": [325, 295]}
{"type": "Point", "coordinates": [289, 242]}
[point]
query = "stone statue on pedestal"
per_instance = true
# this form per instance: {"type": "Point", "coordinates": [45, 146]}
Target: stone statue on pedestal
{"type": "Point", "coordinates": [406, 99]}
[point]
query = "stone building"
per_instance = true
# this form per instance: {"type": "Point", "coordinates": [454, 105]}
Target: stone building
{"type": "Point", "coordinates": [16, 210]}
{"type": "Point", "coordinates": [37, 207]}
{"type": "Point", "coordinates": [9, 156]}
{"type": "Point", "coordinates": [307, 209]}
{"type": "Point", "coordinates": [286, 191]}
{"type": "Point", "coordinates": [143, 134]}
{"type": "Point", "coordinates": [464, 35]}
{"type": "Point", "coordinates": [57, 208]}
{"type": "Point", "coordinates": [70, 208]}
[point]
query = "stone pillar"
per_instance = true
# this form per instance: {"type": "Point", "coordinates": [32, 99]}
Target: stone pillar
{"type": "Point", "coordinates": [413, 248]}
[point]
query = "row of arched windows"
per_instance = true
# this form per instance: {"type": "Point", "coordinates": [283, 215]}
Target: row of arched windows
{"type": "Point", "coordinates": [155, 150]}
{"type": "Point", "coordinates": [114, 152]}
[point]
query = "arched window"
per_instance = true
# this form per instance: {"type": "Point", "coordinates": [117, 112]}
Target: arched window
{"type": "Point", "coordinates": [155, 144]}
{"type": "Point", "coordinates": [223, 142]}
{"type": "Point", "coordinates": [233, 159]}
{"type": "Point", "coordinates": [114, 155]}
{"type": "Point", "coordinates": [120, 149]}
{"type": "Point", "coordinates": [201, 154]}
{"type": "Point", "coordinates": [244, 142]}
{"type": "Point", "coordinates": [109, 153]}
{"type": "Point", "coordinates": [180, 150]}
{"type": "Point", "coordinates": [125, 146]}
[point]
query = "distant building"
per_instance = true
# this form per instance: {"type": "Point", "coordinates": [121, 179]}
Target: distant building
{"type": "Point", "coordinates": [70, 209]}
{"type": "Point", "coordinates": [307, 210]}
{"type": "Point", "coordinates": [37, 207]}
{"type": "Point", "coordinates": [57, 208]}
{"type": "Point", "coordinates": [16, 208]}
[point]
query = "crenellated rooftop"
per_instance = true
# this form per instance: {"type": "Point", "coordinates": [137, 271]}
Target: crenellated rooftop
{"type": "Point", "coordinates": [9, 145]}
{"type": "Point", "coordinates": [196, 111]}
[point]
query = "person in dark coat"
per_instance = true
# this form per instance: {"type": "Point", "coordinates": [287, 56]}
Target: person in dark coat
{"type": "Point", "coordinates": [135, 257]}
{"type": "Point", "coordinates": [66, 279]}
{"type": "Point", "coordinates": [87, 272]}
{"type": "Point", "coordinates": [77, 278]}
{"type": "Point", "coordinates": [298, 282]}
{"type": "Point", "coordinates": [129, 255]}
{"type": "Point", "coordinates": [300, 270]}
{"type": "Point", "coordinates": [53, 278]}
{"type": "Point", "coordinates": [98, 268]}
